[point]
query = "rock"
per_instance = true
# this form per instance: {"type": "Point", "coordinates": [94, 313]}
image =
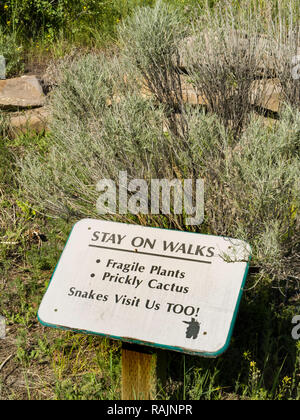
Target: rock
{"type": "Point", "coordinates": [191, 97]}
{"type": "Point", "coordinates": [33, 120]}
{"type": "Point", "coordinates": [190, 94]}
{"type": "Point", "coordinates": [266, 93]}
{"type": "Point", "coordinates": [185, 48]}
{"type": "Point", "coordinates": [21, 92]}
{"type": "Point", "coordinates": [263, 51]}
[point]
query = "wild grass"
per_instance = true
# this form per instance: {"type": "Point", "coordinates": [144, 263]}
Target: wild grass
{"type": "Point", "coordinates": [96, 108]}
{"type": "Point", "coordinates": [83, 23]}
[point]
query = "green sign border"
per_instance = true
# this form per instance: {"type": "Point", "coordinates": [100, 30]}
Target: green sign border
{"type": "Point", "coordinates": [146, 343]}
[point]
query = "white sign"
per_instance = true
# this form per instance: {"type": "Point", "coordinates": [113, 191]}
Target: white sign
{"type": "Point", "coordinates": [157, 287]}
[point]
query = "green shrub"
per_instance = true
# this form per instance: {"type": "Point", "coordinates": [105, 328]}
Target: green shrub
{"type": "Point", "coordinates": [101, 125]}
{"type": "Point", "coordinates": [93, 132]}
{"type": "Point", "coordinates": [231, 48]}
{"type": "Point", "coordinates": [77, 20]}
{"type": "Point", "coordinates": [285, 33]}
{"type": "Point", "coordinates": [252, 188]}
{"type": "Point", "coordinates": [12, 51]}
{"type": "Point", "coordinates": [30, 16]}
{"type": "Point", "coordinates": [150, 41]}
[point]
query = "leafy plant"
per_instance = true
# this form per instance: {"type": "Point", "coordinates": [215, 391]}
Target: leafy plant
{"type": "Point", "coordinates": [150, 42]}
{"type": "Point", "coordinates": [12, 51]}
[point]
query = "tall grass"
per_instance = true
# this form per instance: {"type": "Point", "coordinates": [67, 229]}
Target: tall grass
{"type": "Point", "coordinates": [150, 41]}
{"type": "Point", "coordinates": [251, 182]}
{"type": "Point", "coordinates": [82, 22]}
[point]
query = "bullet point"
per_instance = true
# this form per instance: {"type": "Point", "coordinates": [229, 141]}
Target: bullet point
{"type": "Point", "coordinates": [92, 275]}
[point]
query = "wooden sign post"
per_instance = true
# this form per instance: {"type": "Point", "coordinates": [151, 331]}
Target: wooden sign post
{"type": "Point", "coordinates": [146, 286]}
{"type": "Point", "coordinates": [138, 373]}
